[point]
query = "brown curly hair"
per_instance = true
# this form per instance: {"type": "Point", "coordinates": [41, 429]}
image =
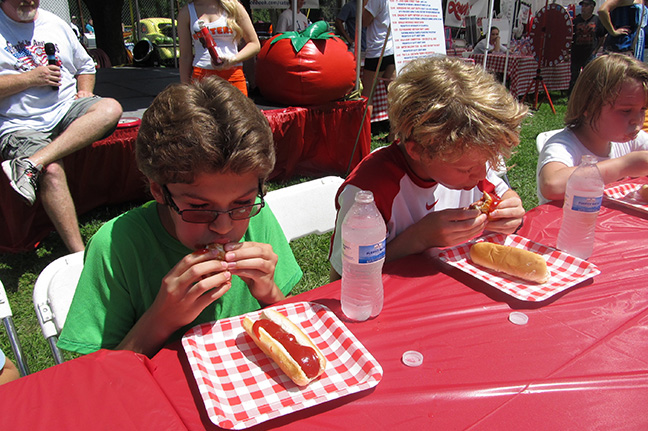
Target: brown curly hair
{"type": "Point", "coordinates": [448, 107]}
{"type": "Point", "coordinates": [203, 127]}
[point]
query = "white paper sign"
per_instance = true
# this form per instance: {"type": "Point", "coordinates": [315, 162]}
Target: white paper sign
{"type": "Point", "coordinates": [281, 4]}
{"type": "Point", "coordinates": [417, 29]}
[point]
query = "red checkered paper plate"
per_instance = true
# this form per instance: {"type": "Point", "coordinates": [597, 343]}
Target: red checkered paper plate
{"type": "Point", "coordinates": [241, 386]}
{"type": "Point", "coordinates": [566, 270]}
{"type": "Point", "coordinates": [626, 195]}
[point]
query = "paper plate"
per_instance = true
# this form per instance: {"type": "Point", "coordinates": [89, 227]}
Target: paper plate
{"type": "Point", "coordinates": [626, 195]}
{"type": "Point", "coordinates": [566, 270]}
{"type": "Point", "coordinates": [242, 387]}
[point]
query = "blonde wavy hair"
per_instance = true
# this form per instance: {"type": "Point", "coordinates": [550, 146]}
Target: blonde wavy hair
{"type": "Point", "coordinates": [599, 84]}
{"type": "Point", "coordinates": [448, 107]}
{"type": "Point", "coordinates": [231, 9]}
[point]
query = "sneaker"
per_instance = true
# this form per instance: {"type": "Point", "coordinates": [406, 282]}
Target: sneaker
{"type": "Point", "coordinates": [23, 176]}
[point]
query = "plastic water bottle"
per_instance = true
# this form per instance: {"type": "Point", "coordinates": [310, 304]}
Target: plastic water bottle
{"type": "Point", "coordinates": [583, 199]}
{"type": "Point", "coordinates": [363, 238]}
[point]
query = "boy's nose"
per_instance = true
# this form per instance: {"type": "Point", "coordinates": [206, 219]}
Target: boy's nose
{"type": "Point", "coordinates": [222, 224]}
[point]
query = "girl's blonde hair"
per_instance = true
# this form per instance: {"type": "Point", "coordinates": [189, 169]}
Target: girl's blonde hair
{"type": "Point", "coordinates": [231, 8]}
{"type": "Point", "coordinates": [448, 107]}
{"type": "Point", "coordinates": [599, 84]}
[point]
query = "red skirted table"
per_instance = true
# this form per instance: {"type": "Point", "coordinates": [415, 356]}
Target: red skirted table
{"type": "Point", "coordinates": [103, 173]}
{"type": "Point", "coordinates": [310, 141]}
{"type": "Point", "coordinates": [319, 140]}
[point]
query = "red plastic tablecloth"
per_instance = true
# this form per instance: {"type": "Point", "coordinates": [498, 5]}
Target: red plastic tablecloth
{"type": "Point", "coordinates": [107, 390]}
{"type": "Point", "coordinates": [580, 363]}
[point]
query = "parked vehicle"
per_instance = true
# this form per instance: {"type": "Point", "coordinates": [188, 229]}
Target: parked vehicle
{"type": "Point", "coordinates": [155, 44]}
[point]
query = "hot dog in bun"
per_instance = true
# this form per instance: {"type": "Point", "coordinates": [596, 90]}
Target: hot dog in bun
{"type": "Point", "coordinates": [487, 203]}
{"type": "Point", "coordinates": [220, 250]}
{"type": "Point", "coordinates": [287, 345]}
{"type": "Point", "coordinates": [511, 260]}
{"type": "Point", "coordinates": [643, 192]}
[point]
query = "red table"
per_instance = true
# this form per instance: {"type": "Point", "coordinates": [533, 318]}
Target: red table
{"type": "Point", "coordinates": [580, 363]}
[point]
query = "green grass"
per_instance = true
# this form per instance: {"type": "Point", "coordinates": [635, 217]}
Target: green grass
{"type": "Point", "coordinates": [18, 272]}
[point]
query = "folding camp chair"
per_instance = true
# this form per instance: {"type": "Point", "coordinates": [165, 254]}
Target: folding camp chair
{"type": "Point", "coordinates": [53, 293]}
{"type": "Point", "coordinates": [7, 319]}
{"type": "Point", "coordinates": [305, 208]}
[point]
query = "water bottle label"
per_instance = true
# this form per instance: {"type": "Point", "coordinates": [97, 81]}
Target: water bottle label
{"type": "Point", "coordinates": [587, 204]}
{"type": "Point", "coordinates": [365, 253]}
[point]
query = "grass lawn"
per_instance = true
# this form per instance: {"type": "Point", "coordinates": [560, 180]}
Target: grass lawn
{"type": "Point", "coordinates": [18, 272]}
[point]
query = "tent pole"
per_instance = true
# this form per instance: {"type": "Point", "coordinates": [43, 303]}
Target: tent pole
{"type": "Point", "coordinates": [490, 24]}
{"type": "Point", "coordinates": [358, 42]}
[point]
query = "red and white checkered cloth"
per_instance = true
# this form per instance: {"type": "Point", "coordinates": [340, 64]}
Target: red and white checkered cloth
{"type": "Point", "coordinates": [625, 194]}
{"type": "Point", "coordinates": [566, 270]}
{"type": "Point", "coordinates": [522, 69]}
{"type": "Point", "coordinates": [242, 387]}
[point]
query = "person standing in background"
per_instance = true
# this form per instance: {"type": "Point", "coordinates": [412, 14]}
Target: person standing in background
{"type": "Point", "coordinates": [375, 17]}
{"type": "Point", "coordinates": [285, 21]}
{"type": "Point", "coordinates": [588, 38]}
{"type": "Point", "coordinates": [228, 23]}
{"type": "Point", "coordinates": [345, 23]}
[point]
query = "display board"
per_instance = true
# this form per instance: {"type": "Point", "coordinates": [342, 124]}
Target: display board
{"type": "Point", "coordinates": [417, 29]}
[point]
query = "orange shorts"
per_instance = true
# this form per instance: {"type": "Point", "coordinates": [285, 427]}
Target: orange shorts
{"type": "Point", "coordinates": [234, 76]}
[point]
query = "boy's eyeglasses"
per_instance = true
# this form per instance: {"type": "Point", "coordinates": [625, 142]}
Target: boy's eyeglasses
{"type": "Point", "coordinates": [208, 216]}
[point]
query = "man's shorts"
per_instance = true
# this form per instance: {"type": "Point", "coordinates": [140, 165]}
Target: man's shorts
{"type": "Point", "coordinates": [372, 63]}
{"type": "Point", "coordinates": [25, 143]}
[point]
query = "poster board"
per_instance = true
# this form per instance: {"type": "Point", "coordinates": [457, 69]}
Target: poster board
{"type": "Point", "coordinates": [417, 29]}
{"type": "Point", "coordinates": [281, 4]}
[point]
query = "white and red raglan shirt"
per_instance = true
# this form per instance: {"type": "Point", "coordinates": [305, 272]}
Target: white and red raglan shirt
{"type": "Point", "coordinates": [400, 195]}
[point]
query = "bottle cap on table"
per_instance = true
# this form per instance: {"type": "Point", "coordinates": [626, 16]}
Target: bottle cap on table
{"type": "Point", "coordinates": [412, 358]}
{"type": "Point", "coordinates": [518, 318]}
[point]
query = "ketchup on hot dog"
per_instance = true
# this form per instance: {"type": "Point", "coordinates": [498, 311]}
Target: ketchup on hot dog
{"type": "Point", "coordinates": [304, 355]}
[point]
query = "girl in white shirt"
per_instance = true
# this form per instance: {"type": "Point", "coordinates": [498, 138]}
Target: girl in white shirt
{"type": "Point", "coordinates": [605, 114]}
{"type": "Point", "coordinates": [229, 24]}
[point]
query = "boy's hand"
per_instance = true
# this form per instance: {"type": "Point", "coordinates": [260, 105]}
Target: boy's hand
{"type": "Point", "coordinates": [192, 284]}
{"type": "Point", "coordinates": [507, 217]}
{"type": "Point", "coordinates": [255, 263]}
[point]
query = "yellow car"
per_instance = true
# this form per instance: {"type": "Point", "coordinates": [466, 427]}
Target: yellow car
{"type": "Point", "coordinates": [155, 46]}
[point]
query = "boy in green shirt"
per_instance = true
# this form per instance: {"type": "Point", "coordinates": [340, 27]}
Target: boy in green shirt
{"type": "Point", "coordinates": [148, 274]}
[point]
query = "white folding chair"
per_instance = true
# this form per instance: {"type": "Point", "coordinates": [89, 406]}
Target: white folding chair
{"type": "Point", "coordinates": [543, 137]}
{"type": "Point", "coordinates": [7, 319]}
{"type": "Point", "coordinates": [53, 293]}
{"type": "Point", "coordinates": [305, 208]}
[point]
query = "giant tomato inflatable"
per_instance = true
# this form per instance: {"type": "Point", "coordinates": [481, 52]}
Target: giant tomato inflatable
{"type": "Point", "coordinates": [305, 68]}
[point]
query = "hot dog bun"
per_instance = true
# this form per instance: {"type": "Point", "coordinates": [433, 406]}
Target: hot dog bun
{"type": "Point", "coordinates": [220, 248]}
{"type": "Point", "coordinates": [511, 260]}
{"type": "Point", "coordinates": [278, 353]}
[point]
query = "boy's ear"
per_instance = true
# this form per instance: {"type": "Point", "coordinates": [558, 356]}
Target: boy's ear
{"type": "Point", "coordinates": [412, 150]}
{"type": "Point", "coordinates": [156, 191]}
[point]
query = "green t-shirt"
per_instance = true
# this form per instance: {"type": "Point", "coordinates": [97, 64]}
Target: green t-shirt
{"type": "Point", "coordinates": [125, 262]}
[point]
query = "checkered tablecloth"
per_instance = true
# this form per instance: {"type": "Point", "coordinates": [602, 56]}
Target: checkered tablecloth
{"type": "Point", "coordinates": [522, 69]}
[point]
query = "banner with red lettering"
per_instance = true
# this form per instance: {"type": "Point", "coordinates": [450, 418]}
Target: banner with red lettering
{"type": "Point", "coordinates": [457, 10]}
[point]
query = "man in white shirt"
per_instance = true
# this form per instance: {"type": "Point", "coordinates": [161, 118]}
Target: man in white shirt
{"type": "Point", "coordinates": [285, 21]}
{"type": "Point", "coordinates": [47, 109]}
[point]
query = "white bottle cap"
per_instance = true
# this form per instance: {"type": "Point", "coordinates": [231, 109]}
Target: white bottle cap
{"type": "Point", "coordinates": [518, 318]}
{"type": "Point", "coordinates": [412, 358]}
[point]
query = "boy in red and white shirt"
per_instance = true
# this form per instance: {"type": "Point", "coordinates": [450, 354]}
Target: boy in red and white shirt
{"type": "Point", "coordinates": [452, 121]}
